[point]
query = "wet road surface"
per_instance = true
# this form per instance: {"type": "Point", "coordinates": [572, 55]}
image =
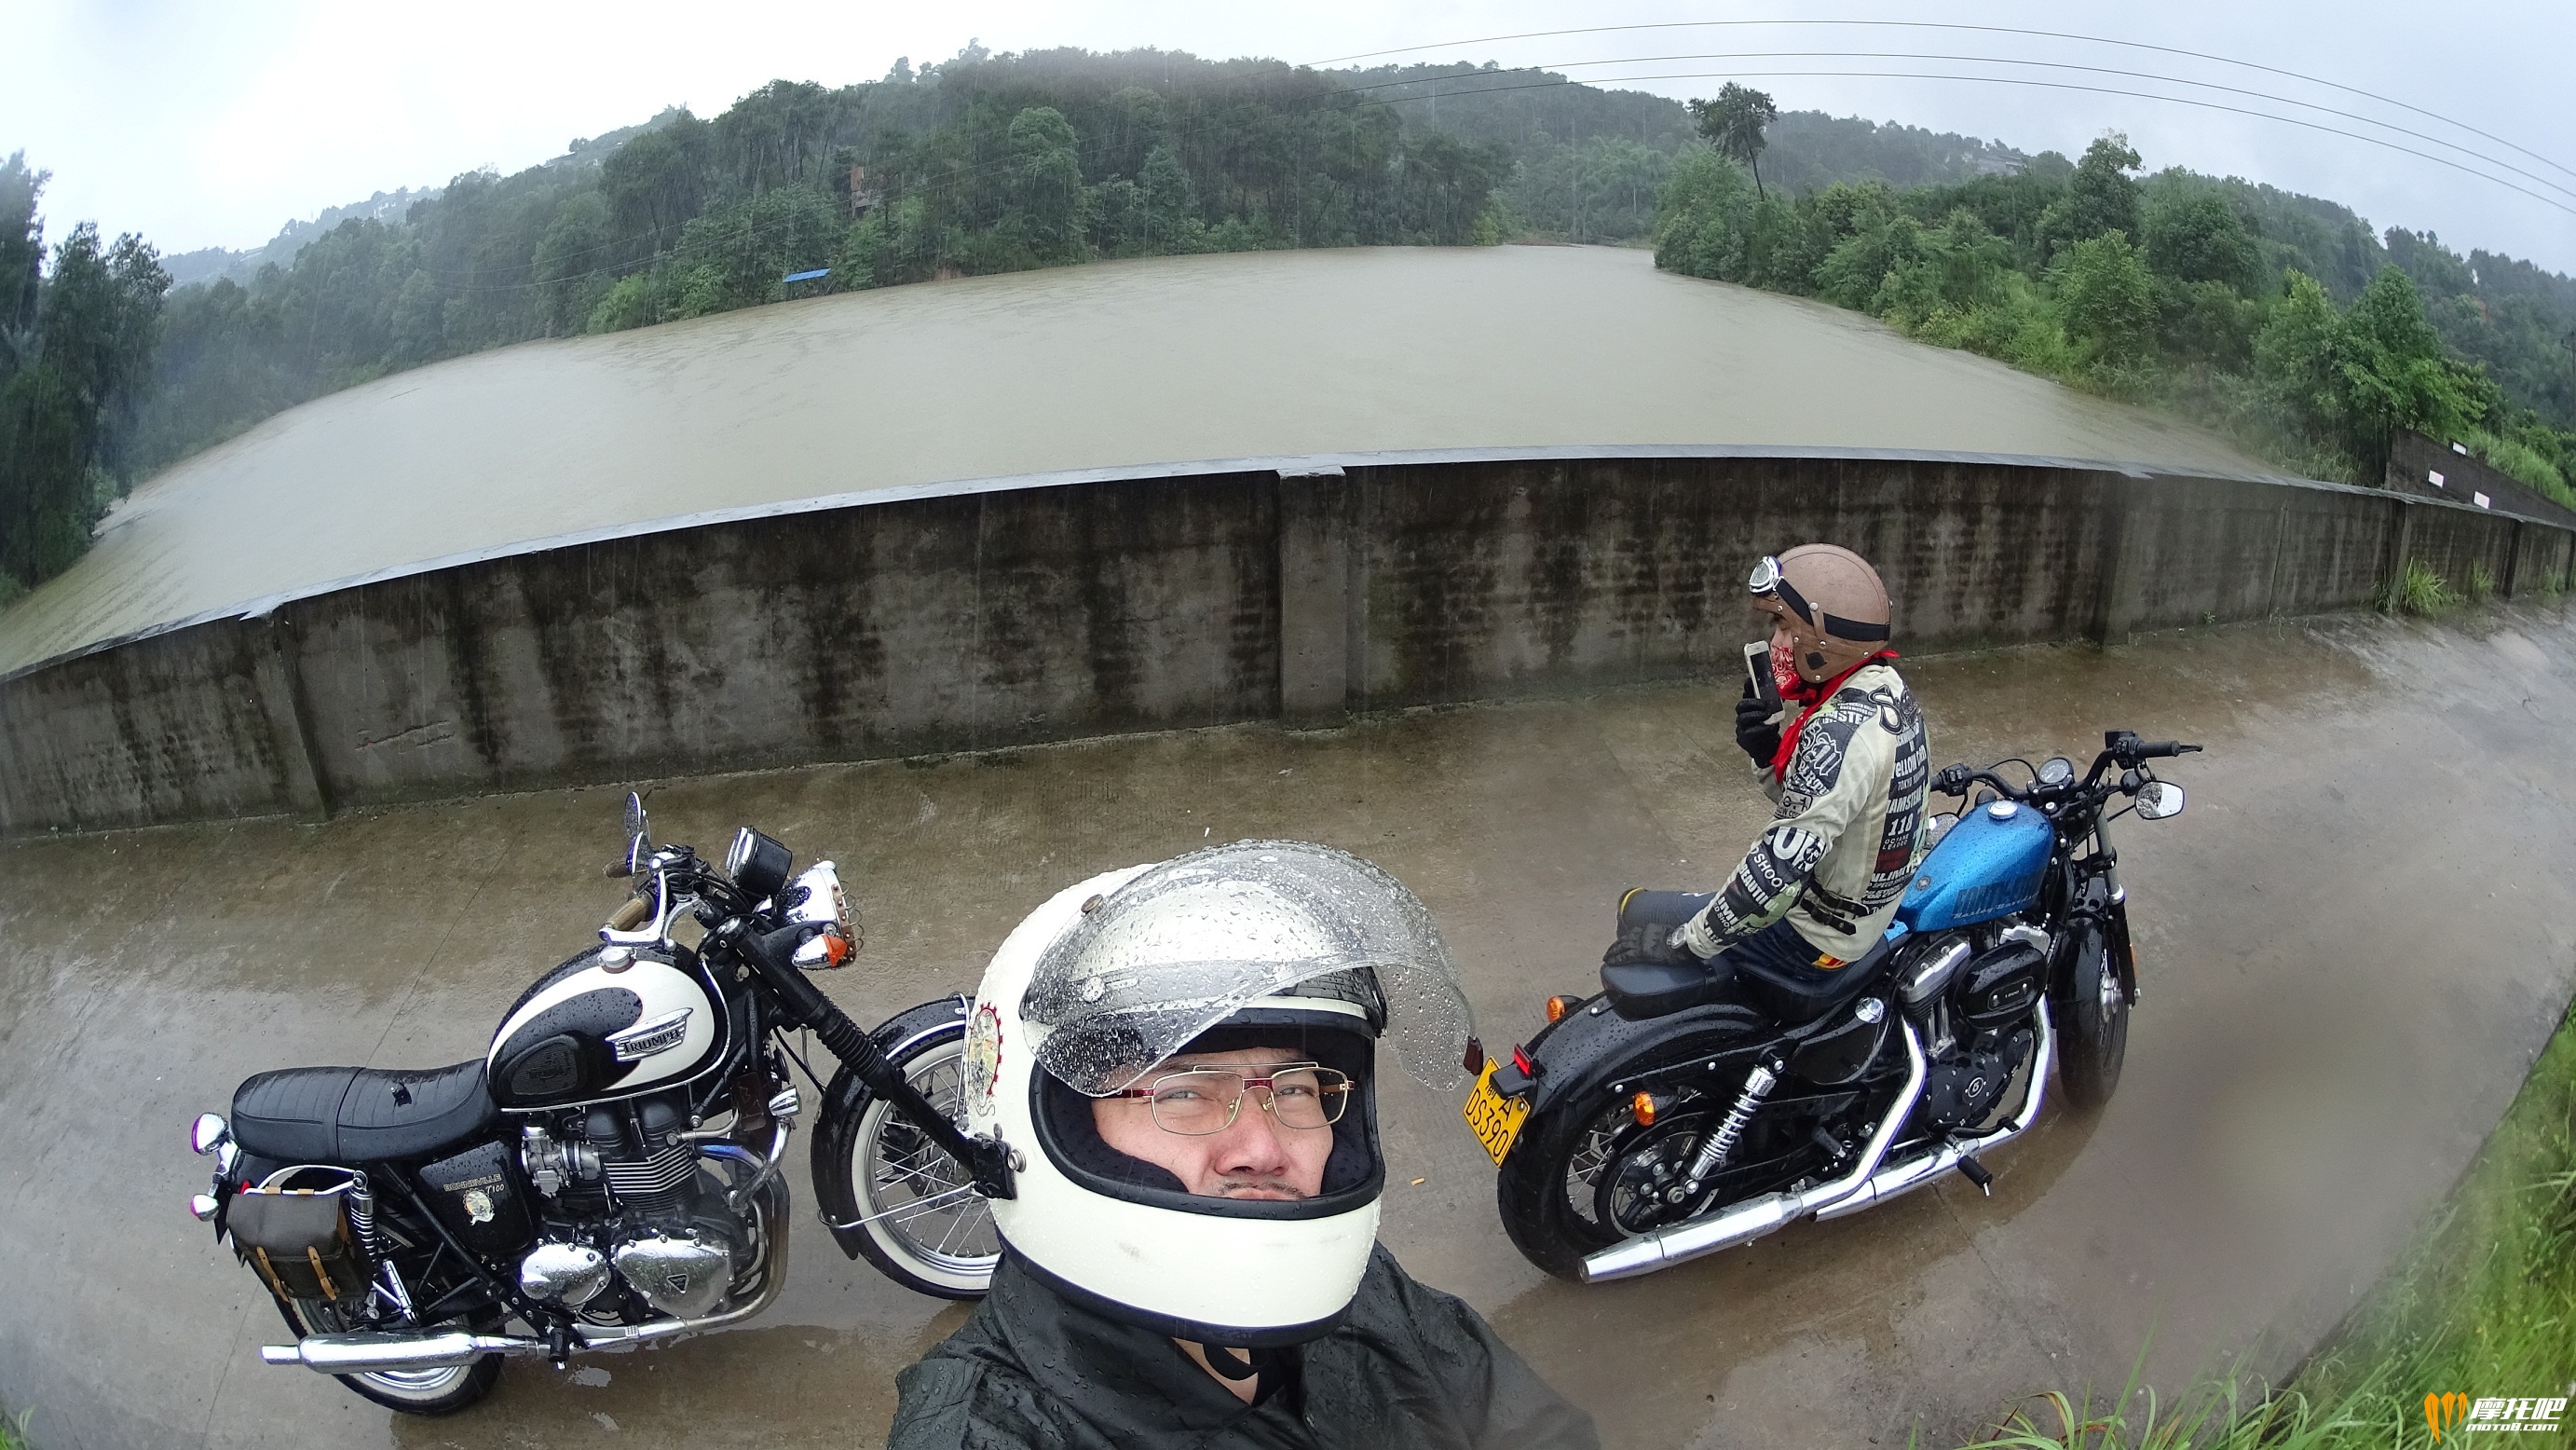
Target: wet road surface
{"type": "Point", "coordinates": [2351, 945]}
{"type": "Point", "coordinates": [1117, 365]}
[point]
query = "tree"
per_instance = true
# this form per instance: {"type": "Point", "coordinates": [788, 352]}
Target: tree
{"type": "Point", "coordinates": [22, 258]}
{"type": "Point", "coordinates": [68, 380]}
{"type": "Point", "coordinates": [2109, 303]}
{"type": "Point", "coordinates": [1734, 122]}
{"type": "Point", "coordinates": [2197, 237]}
{"type": "Point", "coordinates": [2100, 197]}
{"type": "Point", "coordinates": [2393, 372]}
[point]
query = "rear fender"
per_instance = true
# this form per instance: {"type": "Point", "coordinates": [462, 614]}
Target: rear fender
{"type": "Point", "coordinates": [1593, 1046]}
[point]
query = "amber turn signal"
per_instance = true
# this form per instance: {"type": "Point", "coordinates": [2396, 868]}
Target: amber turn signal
{"type": "Point", "coordinates": [1642, 1108]}
{"type": "Point", "coordinates": [1557, 1007]}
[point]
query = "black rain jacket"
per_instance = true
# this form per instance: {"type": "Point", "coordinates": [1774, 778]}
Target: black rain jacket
{"type": "Point", "coordinates": [1409, 1367]}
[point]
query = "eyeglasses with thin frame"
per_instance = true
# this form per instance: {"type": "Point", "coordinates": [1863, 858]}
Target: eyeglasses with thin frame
{"type": "Point", "coordinates": [1200, 1101]}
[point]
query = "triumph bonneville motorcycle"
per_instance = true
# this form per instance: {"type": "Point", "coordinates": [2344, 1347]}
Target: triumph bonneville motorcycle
{"type": "Point", "coordinates": [1679, 1111]}
{"type": "Point", "coordinates": [608, 1174]}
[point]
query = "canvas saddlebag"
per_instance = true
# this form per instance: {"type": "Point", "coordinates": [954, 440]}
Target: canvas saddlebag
{"type": "Point", "coordinates": [297, 1238]}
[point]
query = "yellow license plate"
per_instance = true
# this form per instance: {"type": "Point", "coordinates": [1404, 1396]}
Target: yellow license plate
{"type": "Point", "coordinates": [1494, 1119]}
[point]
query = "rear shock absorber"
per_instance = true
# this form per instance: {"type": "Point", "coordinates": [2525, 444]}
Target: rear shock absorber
{"type": "Point", "coordinates": [1720, 1146]}
{"type": "Point", "coordinates": [362, 1224]}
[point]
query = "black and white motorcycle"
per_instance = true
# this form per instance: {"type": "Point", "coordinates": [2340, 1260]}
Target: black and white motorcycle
{"type": "Point", "coordinates": [608, 1173]}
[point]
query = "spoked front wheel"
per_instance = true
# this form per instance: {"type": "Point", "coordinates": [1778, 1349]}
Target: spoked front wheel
{"type": "Point", "coordinates": [889, 1191]}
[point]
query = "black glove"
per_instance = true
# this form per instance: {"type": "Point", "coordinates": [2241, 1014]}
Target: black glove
{"type": "Point", "coordinates": [1753, 728]}
{"type": "Point", "coordinates": [1647, 945]}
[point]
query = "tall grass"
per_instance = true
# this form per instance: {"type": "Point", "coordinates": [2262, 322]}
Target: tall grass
{"type": "Point", "coordinates": [2418, 591]}
{"type": "Point", "coordinates": [13, 1430]}
{"type": "Point", "coordinates": [2517, 459]}
{"type": "Point", "coordinates": [2483, 1304]}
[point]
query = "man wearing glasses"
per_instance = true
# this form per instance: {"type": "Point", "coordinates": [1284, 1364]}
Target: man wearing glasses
{"type": "Point", "coordinates": [1182, 1059]}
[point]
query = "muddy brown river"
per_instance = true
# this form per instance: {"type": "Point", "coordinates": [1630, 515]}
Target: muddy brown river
{"type": "Point", "coordinates": [1117, 366]}
{"type": "Point", "coordinates": [2351, 945]}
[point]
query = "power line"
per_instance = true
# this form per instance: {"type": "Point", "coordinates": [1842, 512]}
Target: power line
{"type": "Point", "coordinates": [1987, 29]}
{"type": "Point", "coordinates": [2064, 65]}
{"type": "Point", "coordinates": [2046, 85]}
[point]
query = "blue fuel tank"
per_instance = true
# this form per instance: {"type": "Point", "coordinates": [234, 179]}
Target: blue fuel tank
{"type": "Point", "coordinates": [1991, 864]}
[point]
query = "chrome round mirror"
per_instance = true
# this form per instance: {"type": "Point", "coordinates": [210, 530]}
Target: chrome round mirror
{"type": "Point", "coordinates": [636, 843]}
{"type": "Point", "coordinates": [2056, 770]}
{"type": "Point", "coordinates": [2159, 799]}
{"type": "Point", "coordinates": [208, 1133]}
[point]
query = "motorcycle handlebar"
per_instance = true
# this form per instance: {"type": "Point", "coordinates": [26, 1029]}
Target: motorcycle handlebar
{"type": "Point", "coordinates": [2160, 749]}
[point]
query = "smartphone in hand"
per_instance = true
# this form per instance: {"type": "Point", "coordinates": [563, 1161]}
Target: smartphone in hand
{"type": "Point", "coordinates": [1757, 666]}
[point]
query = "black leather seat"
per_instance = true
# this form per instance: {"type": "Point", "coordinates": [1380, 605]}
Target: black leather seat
{"type": "Point", "coordinates": [1792, 997]}
{"type": "Point", "coordinates": [360, 1114]}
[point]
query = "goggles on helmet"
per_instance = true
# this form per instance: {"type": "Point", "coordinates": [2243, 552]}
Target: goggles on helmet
{"type": "Point", "coordinates": [1768, 582]}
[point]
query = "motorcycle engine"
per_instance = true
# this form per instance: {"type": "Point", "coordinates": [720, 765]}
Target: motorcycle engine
{"type": "Point", "coordinates": [1963, 1088]}
{"type": "Point", "coordinates": [630, 1227]}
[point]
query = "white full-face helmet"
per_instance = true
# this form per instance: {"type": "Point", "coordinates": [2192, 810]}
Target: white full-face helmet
{"type": "Point", "coordinates": [1257, 943]}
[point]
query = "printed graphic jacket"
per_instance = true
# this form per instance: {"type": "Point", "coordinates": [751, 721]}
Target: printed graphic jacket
{"type": "Point", "coordinates": [1410, 1368]}
{"type": "Point", "coordinates": [1848, 833]}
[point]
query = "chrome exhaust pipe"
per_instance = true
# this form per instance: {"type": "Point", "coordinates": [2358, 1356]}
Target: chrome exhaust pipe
{"type": "Point", "coordinates": [371, 1353]}
{"type": "Point", "coordinates": [1912, 1174]}
{"type": "Point", "coordinates": [1742, 1223]}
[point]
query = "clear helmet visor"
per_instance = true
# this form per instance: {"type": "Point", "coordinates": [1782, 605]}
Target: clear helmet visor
{"type": "Point", "coordinates": [1186, 945]}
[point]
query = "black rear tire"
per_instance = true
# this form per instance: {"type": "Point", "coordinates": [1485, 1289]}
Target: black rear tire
{"type": "Point", "coordinates": [1548, 1189]}
{"type": "Point", "coordinates": [422, 1392]}
{"type": "Point", "coordinates": [2094, 1035]}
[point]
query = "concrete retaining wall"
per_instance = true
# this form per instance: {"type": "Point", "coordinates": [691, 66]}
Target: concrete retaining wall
{"type": "Point", "coordinates": [1013, 615]}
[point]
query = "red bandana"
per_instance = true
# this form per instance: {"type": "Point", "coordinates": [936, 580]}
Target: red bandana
{"type": "Point", "coordinates": [1809, 697]}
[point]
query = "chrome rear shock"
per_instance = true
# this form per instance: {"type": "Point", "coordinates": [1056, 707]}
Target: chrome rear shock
{"type": "Point", "coordinates": [1720, 1146]}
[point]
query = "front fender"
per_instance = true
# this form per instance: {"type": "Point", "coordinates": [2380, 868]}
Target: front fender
{"type": "Point", "coordinates": [846, 1101]}
{"type": "Point", "coordinates": [1592, 1046]}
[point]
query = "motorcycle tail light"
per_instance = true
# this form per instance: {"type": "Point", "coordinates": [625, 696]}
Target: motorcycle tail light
{"type": "Point", "coordinates": [1642, 1108]}
{"type": "Point", "coordinates": [1521, 1060]}
{"type": "Point", "coordinates": [1557, 1008]}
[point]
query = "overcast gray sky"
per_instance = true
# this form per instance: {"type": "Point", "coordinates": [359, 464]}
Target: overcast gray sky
{"type": "Point", "coordinates": [208, 125]}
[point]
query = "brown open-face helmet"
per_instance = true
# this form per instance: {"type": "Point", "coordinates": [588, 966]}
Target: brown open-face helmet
{"type": "Point", "coordinates": [1831, 610]}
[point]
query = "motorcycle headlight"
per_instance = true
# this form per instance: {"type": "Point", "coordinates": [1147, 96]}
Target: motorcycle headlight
{"type": "Point", "coordinates": [824, 903]}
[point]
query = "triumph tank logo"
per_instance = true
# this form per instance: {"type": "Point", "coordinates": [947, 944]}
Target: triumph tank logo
{"type": "Point", "coordinates": [646, 1038]}
{"type": "Point", "coordinates": [478, 1206]}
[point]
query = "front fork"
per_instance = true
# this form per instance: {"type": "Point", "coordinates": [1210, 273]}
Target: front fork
{"type": "Point", "coordinates": [2109, 910]}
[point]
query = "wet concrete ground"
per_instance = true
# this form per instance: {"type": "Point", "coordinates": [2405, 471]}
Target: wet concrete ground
{"type": "Point", "coordinates": [2351, 945]}
{"type": "Point", "coordinates": [1117, 365]}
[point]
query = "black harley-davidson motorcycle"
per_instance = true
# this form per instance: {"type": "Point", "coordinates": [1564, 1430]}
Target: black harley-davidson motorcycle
{"type": "Point", "coordinates": [1680, 1111]}
{"type": "Point", "coordinates": [608, 1173]}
